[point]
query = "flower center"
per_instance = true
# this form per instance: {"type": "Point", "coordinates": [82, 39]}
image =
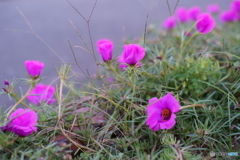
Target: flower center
{"type": "Point", "coordinates": [166, 114]}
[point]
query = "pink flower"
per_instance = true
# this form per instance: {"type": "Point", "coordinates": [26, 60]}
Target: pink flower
{"type": "Point", "coordinates": [169, 23]}
{"type": "Point", "coordinates": [182, 14]}
{"type": "Point", "coordinates": [105, 48]}
{"type": "Point", "coordinates": [238, 17]}
{"type": "Point", "coordinates": [205, 23]}
{"type": "Point", "coordinates": [194, 12]}
{"type": "Point", "coordinates": [235, 6]}
{"type": "Point", "coordinates": [213, 8]}
{"type": "Point", "coordinates": [34, 68]}
{"type": "Point", "coordinates": [42, 93]}
{"type": "Point", "coordinates": [132, 54]}
{"type": "Point", "coordinates": [228, 16]}
{"type": "Point", "coordinates": [22, 122]}
{"type": "Point", "coordinates": [160, 112]}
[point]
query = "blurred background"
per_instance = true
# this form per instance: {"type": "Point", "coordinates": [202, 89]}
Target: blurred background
{"type": "Point", "coordinates": [50, 21]}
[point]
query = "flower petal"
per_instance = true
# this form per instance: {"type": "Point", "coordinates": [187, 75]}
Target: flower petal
{"type": "Point", "coordinates": [41, 93]}
{"type": "Point", "coordinates": [153, 100]}
{"type": "Point", "coordinates": [153, 119]}
{"type": "Point", "coordinates": [170, 102]}
{"type": "Point", "coordinates": [169, 123]}
{"type": "Point", "coordinates": [23, 130]}
{"type": "Point", "coordinates": [154, 108]}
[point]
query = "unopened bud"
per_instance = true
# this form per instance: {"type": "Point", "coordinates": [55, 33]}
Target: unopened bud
{"type": "Point", "coordinates": [6, 83]}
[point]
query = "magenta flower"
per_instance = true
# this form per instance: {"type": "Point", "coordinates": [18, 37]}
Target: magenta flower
{"type": "Point", "coordinates": [6, 83]}
{"type": "Point", "coordinates": [205, 23]}
{"type": "Point", "coordinates": [22, 122]}
{"type": "Point", "coordinates": [169, 23]}
{"type": "Point", "coordinates": [132, 54]}
{"type": "Point", "coordinates": [194, 12]}
{"type": "Point", "coordinates": [182, 14]}
{"type": "Point", "coordinates": [105, 48]}
{"type": "Point", "coordinates": [213, 8]}
{"type": "Point", "coordinates": [238, 17]}
{"type": "Point", "coordinates": [34, 68]}
{"type": "Point", "coordinates": [235, 6]}
{"type": "Point", "coordinates": [160, 112]}
{"type": "Point", "coordinates": [228, 16]}
{"type": "Point", "coordinates": [42, 93]}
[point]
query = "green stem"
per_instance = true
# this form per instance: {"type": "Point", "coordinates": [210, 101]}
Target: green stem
{"type": "Point", "coordinates": [110, 66]}
{"type": "Point", "coordinates": [187, 43]}
{"type": "Point", "coordinates": [189, 31]}
{"type": "Point", "coordinates": [118, 75]}
{"type": "Point", "coordinates": [131, 109]}
{"type": "Point", "coordinates": [60, 99]}
{"type": "Point", "coordinates": [193, 105]}
{"type": "Point", "coordinates": [17, 99]}
{"type": "Point", "coordinates": [16, 104]}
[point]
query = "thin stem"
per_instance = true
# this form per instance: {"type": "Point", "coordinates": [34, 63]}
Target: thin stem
{"type": "Point", "coordinates": [188, 31]}
{"type": "Point", "coordinates": [17, 99]}
{"type": "Point", "coordinates": [193, 105]}
{"type": "Point", "coordinates": [131, 108]}
{"type": "Point", "coordinates": [16, 104]}
{"type": "Point", "coordinates": [60, 100]}
{"type": "Point", "coordinates": [68, 136]}
{"type": "Point", "coordinates": [118, 75]}
{"type": "Point", "coordinates": [187, 43]}
{"type": "Point", "coordinates": [110, 66]}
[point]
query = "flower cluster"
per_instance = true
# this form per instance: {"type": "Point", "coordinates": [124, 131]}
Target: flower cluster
{"type": "Point", "coordinates": [160, 112]}
{"type": "Point", "coordinates": [204, 21]}
{"type": "Point", "coordinates": [132, 53]}
{"type": "Point", "coordinates": [40, 93]}
{"type": "Point", "coordinates": [233, 14]}
{"type": "Point", "coordinates": [23, 121]}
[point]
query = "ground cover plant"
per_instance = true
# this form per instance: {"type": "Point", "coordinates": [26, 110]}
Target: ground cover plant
{"type": "Point", "coordinates": [172, 94]}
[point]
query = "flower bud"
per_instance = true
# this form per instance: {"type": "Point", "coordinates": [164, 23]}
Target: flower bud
{"type": "Point", "coordinates": [34, 68]}
{"type": "Point", "coordinates": [132, 54]}
{"type": "Point", "coordinates": [105, 48]}
{"type": "Point", "coordinates": [205, 23]}
{"type": "Point", "coordinates": [6, 83]}
{"type": "Point", "coordinates": [194, 12]}
{"type": "Point", "coordinates": [169, 23]}
{"type": "Point", "coordinates": [42, 93]}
